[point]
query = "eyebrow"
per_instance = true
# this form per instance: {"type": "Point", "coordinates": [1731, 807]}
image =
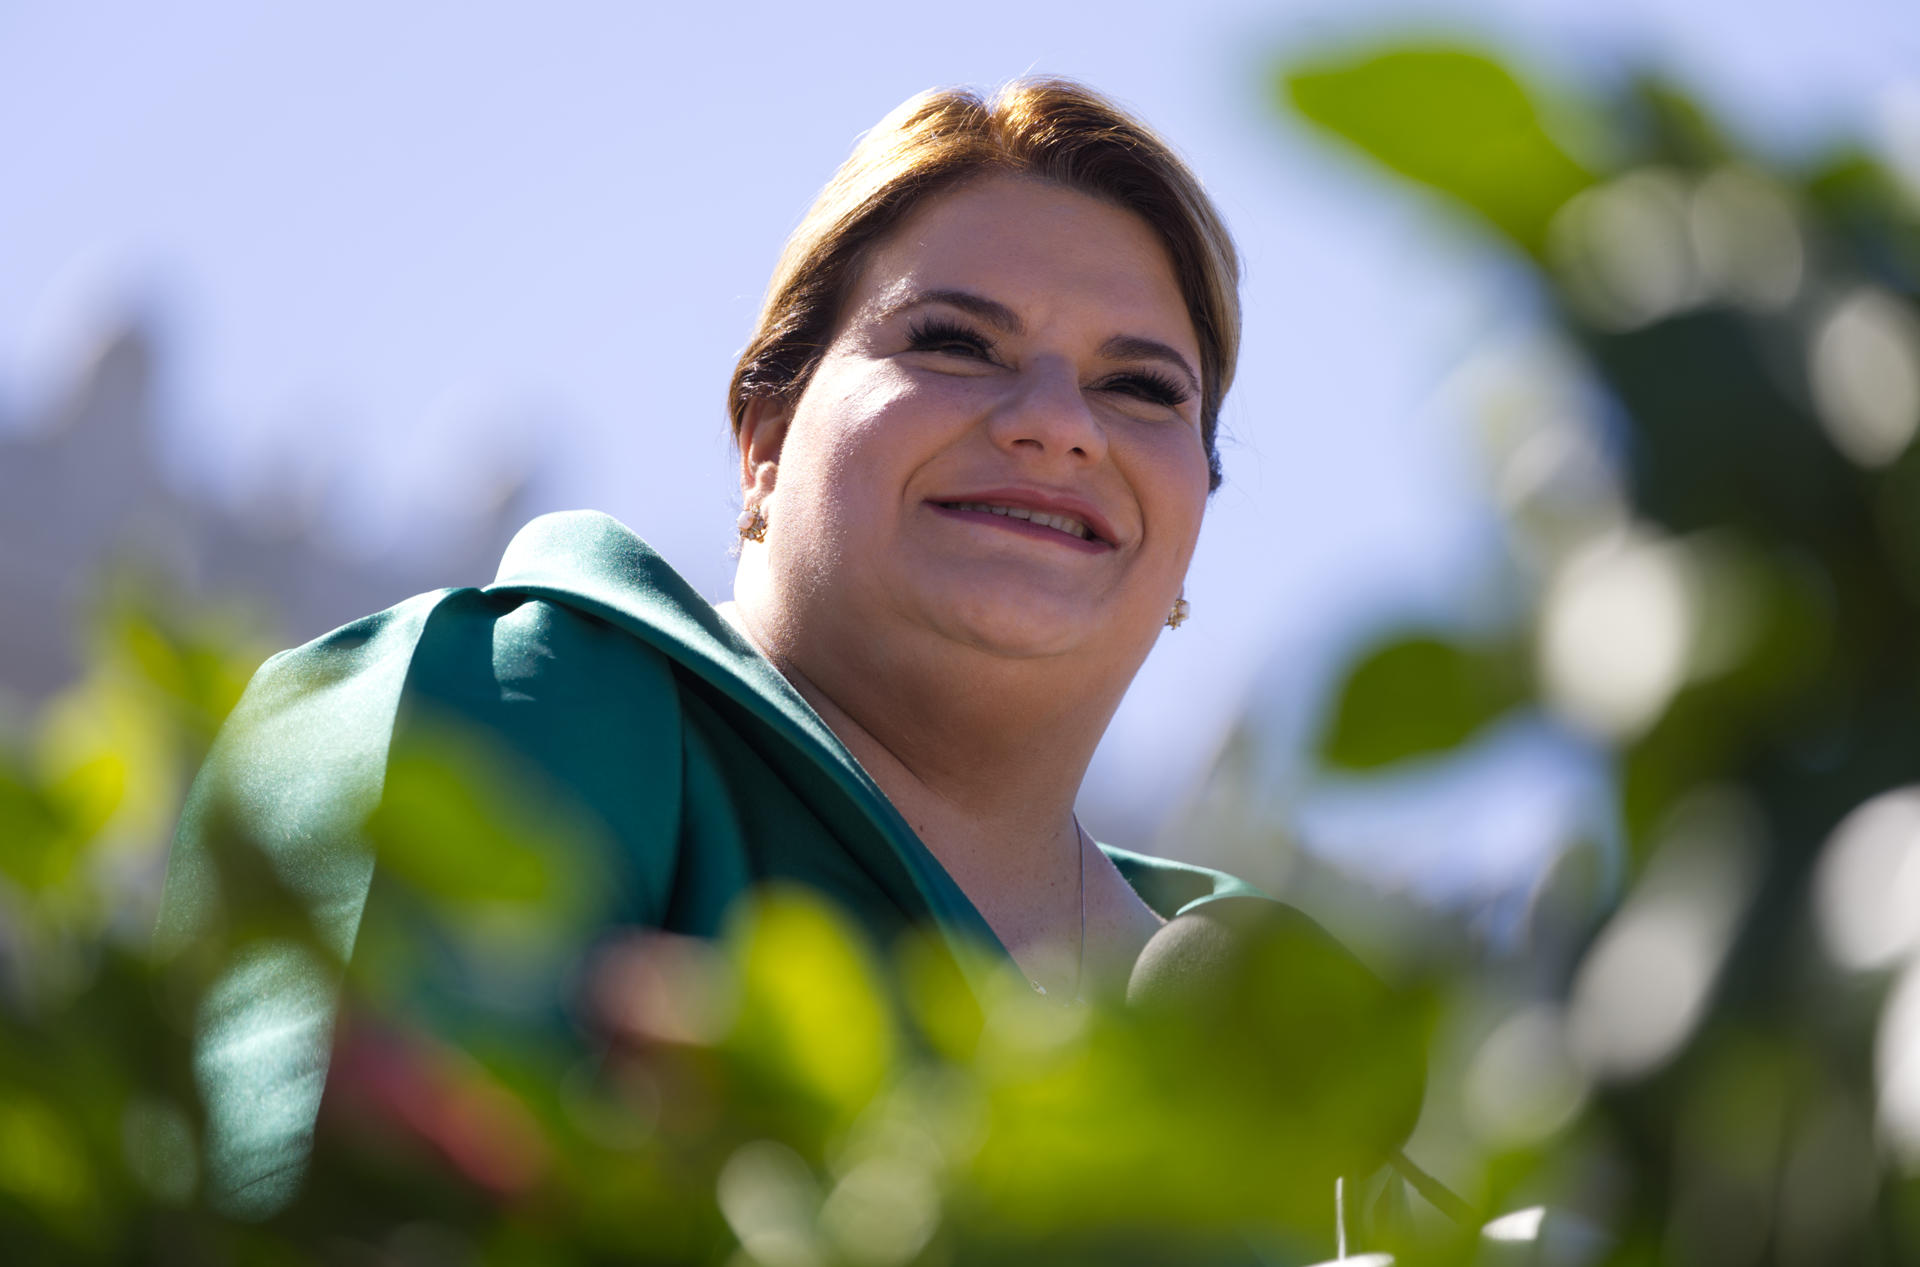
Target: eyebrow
{"type": "Point", "coordinates": [1131, 347]}
{"type": "Point", "coordinates": [995, 314]}
{"type": "Point", "coordinates": [1121, 347]}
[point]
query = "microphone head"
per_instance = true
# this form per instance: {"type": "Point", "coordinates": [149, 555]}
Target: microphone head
{"type": "Point", "coordinates": [1251, 995]}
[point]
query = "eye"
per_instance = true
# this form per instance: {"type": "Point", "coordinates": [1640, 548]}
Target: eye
{"type": "Point", "coordinates": [1154, 388]}
{"type": "Point", "coordinates": [938, 334]}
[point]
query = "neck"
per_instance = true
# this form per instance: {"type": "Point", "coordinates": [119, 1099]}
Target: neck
{"type": "Point", "coordinates": [978, 759]}
{"type": "Point", "coordinates": [982, 756]}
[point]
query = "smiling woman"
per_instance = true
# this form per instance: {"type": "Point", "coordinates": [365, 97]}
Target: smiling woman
{"type": "Point", "coordinates": [980, 509]}
{"type": "Point", "coordinates": [976, 428]}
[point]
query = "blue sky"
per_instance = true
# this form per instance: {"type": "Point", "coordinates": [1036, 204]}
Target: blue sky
{"type": "Point", "coordinates": [387, 243]}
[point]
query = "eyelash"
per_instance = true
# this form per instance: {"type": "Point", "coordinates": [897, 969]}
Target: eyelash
{"type": "Point", "coordinates": [934, 334]}
{"type": "Point", "coordinates": [1153, 387]}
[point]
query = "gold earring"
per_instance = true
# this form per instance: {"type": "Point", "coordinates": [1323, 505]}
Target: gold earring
{"type": "Point", "coordinates": [752, 524]}
{"type": "Point", "coordinates": [1178, 616]}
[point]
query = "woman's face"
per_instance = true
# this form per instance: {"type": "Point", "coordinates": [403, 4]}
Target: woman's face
{"type": "Point", "coordinates": [1001, 445]}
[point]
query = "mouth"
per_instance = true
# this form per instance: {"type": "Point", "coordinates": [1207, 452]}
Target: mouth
{"type": "Point", "coordinates": [1059, 523]}
{"type": "Point", "coordinates": [1056, 523]}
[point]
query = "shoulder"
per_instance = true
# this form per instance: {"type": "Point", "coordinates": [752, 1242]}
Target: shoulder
{"type": "Point", "coordinates": [461, 647]}
{"type": "Point", "coordinates": [594, 565]}
{"type": "Point", "coordinates": [581, 611]}
{"type": "Point", "coordinates": [522, 649]}
{"type": "Point", "coordinates": [547, 677]}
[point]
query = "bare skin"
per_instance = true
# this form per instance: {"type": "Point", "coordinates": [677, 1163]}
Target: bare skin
{"type": "Point", "coordinates": [1013, 345]}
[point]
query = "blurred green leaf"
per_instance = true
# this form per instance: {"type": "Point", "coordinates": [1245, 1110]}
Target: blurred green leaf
{"type": "Point", "coordinates": [938, 995]}
{"type": "Point", "coordinates": [1655, 114]}
{"type": "Point", "coordinates": [810, 1003]}
{"type": "Point", "coordinates": [465, 824]}
{"type": "Point", "coordinates": [1450, 118]}
{"type": "Point", "coordinates": [1418, 696]}
{"type": "Point", "coordinates": [41, 1161]}
{"type": "Point", "coordinates": [40, 848]}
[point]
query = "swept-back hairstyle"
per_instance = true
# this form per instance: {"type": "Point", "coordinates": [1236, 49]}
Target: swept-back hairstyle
{"type": "Point", "coordinates": [1053, 129]}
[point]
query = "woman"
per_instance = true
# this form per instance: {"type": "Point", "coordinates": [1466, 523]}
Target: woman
{"type": "Point", "coordinates": [979, 500]}
{"type": "Point", "coordinates": [976, 425]}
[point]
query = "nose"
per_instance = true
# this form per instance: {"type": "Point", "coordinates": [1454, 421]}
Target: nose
{"type": "Point", "coordinates": [1046, 415]}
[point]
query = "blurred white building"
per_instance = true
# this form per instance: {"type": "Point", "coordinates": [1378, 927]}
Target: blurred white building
{"type": "Point", "coordinates": [83, 491]}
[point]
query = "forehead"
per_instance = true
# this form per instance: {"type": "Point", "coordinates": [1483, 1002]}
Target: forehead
{"type": "Point", "coordinates": [1049, 252]}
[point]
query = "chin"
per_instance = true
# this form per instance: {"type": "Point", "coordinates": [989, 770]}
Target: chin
{"type": "Point", "coordinates": [1007, 625]}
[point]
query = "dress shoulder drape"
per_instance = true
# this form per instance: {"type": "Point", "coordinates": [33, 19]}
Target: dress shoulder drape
{"type": "Point", "coordinates": [623, 696]}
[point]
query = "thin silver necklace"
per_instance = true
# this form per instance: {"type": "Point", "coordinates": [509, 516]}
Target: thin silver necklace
{"type": "Point", "coordinates": [1080, 947]}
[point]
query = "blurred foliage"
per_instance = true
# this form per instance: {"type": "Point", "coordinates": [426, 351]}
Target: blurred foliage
{"type": "Point", "coordinates": [1454, 119]}
{"type": "Point", "coordinates": [513, 1080]}
{"type": "Point", "coordinates": [1713, 496]}
{"type": "Point", "coordinates": [1419, 695]}
{"type": "Point", "coordinates": [1714, 514]}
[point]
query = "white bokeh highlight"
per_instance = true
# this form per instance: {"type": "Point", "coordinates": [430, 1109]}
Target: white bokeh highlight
{"type": "Point", "coordinates": [1616, 631]}
{"type": "Point", "coordinates": [1863, 366]}
{"type": "Point", "coordinates": [1866, 884]}
{"type": "Point", "coordinates": [1645, 984]}
{"type": "Point", "coordinates": [1897, 1070]}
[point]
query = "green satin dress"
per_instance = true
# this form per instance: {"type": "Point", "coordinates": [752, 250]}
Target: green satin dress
{"type": "Point", "coordinates": [703, 772]}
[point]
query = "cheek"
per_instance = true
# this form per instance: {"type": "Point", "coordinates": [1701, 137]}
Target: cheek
{"type": "Point", "coordinates": [861, 431]}
{"type": "Point", "coordinates": [1172, 478]}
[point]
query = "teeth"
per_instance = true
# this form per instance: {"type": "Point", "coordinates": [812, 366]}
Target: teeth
{"type": "Point", "coordinates": [1060, 523]}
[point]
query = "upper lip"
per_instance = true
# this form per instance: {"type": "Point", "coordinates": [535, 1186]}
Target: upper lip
{"type": "Point", "coordinates": [1046, 501]}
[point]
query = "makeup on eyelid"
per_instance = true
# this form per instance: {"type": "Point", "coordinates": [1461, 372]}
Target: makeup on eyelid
{"type": "Point", "coordinates": [935, 334]}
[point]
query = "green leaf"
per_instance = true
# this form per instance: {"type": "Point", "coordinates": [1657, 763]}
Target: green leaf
{"type": "Point", "coordinates": [1449, 118]}
{"type": "Point", "coordinates": [466, 825]}
{"type": "Point", "coordinates": [1417, 696]}
{"type": "Point", "coordinates": [41, 848]}
{"type": "Point", "coordinates": [42, 1163]}
{"type": "Point", "coordinates": [811, 1005]}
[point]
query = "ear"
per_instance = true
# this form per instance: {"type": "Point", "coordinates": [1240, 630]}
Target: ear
{"type": "Point", "coordinates": [763, 429]}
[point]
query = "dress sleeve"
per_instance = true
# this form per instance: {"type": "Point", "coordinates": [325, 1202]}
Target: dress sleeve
{"type": "Point", "coordinates": [295, 772]}
{"type": "Point", "coordinates": [586, 719]}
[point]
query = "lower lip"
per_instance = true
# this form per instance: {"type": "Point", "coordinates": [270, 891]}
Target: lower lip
{"type": "Point", "coordinates": [1024, 528]}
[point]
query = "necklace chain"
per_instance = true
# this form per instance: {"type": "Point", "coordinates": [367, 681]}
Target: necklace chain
{"type": "Point", "coordinates": [1080, 946]}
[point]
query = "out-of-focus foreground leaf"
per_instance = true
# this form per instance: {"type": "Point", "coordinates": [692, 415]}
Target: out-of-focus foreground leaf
{"type": "Point", "coordinates": [1450, 118]}
{"type": "Point", "coordinates": [1416, 696]}
{"type": "Point", "coordinates": [1714, 550]}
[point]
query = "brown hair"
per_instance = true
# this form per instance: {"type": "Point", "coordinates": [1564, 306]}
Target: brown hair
{"type": "Point", "coordinates": [1054, 129]}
